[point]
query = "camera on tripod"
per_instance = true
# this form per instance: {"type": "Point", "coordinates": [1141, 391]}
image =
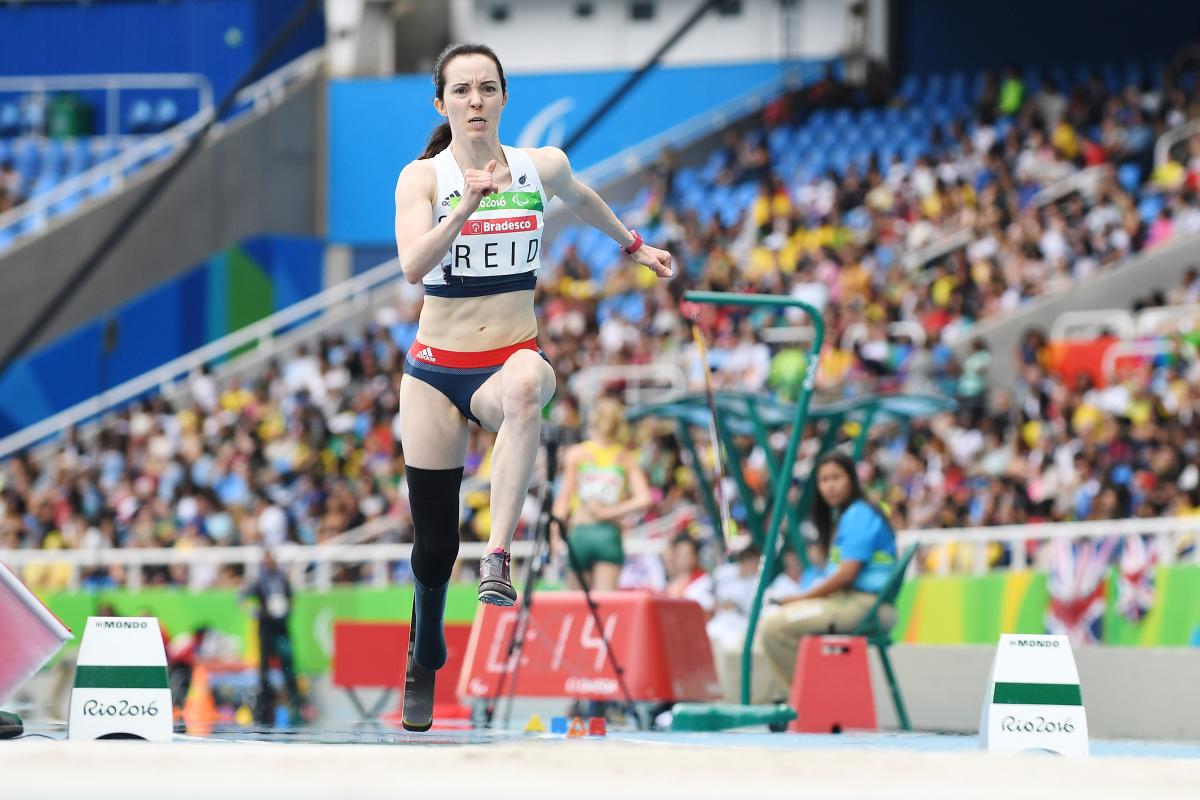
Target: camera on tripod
{"type": "Point", "coordinates": [560, 435]}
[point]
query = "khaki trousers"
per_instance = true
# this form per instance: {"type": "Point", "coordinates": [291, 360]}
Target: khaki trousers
{"type": "Point", "coordinates": [782, 627]}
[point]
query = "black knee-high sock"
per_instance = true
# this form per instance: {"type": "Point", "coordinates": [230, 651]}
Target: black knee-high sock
{"type": "Point", "coordinates": [433, 499]}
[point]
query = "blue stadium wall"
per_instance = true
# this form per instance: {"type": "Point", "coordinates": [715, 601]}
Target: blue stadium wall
{"type": "Point", "coordinates": [232, 289]}
{"type": "Point", "coordinates": [376, 126]}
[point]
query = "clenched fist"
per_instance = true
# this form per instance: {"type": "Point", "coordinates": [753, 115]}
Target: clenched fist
{"type": "Point", "coordinates": [479, 184]}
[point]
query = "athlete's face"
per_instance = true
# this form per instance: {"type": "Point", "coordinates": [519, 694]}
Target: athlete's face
{"type": "Point", "coordinates": [472, 98]}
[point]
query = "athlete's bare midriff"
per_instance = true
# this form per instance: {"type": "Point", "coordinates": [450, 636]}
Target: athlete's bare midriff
{"type": "Point", "coordinates": [471, 324]}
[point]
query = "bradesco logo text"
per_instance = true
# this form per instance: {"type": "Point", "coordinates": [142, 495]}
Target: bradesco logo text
{"type": "Point", "coordinates": [523, 201]}
{"type": "Point", "coordinates": [483, 227]}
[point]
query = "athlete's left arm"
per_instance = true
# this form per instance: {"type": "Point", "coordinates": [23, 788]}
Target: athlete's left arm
{"type": "Point", "coordinates": [555, 171]}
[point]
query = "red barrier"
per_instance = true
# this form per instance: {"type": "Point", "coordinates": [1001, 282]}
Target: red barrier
{"type": "Point", "coordinates": [660, 642]}
{"type": "Point", "coordinates": [1070, 359]}
{"type": "Point", "coordinates": [374, 655]}
{"type": "Point", "coordinates": [831, 688]}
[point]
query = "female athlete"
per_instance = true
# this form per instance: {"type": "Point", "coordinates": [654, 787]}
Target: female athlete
{"type": "Point", "coordinates": [468, 225]}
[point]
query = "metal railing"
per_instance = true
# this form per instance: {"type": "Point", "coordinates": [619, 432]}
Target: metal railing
{"type": "Point", "coordinates": [313, 565]}
{"type": "Point", "coordinates": [1168, 533]}
{"type": "Point", "coordinates": [1180, 133]}
{"type": "Point", "coordinates": [1085, 182]}
{"type": "Point", "coordinates": [261, 333]}
{"type": "Point", "coordinates": [37, 86]}
{"type": "Point", "coordinates": [112, 173]}
{"type": "Point", "coordinates": [1139, 349]}
{"type": "Point", "coordinates": [1088, 324]}
{"type": "Point", "coordinates": [308, 565]}
{"type": "Point", "coordinates": [655, 382]}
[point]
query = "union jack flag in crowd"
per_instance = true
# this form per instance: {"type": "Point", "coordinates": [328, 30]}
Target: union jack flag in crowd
{"type": "Point", "coordinates": [1135, 584]}
{"type": "Point", "coordinates": [1078, 589]}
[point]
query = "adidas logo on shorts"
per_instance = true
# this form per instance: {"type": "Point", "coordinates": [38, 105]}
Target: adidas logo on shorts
{"type": "Point", "coordinates": [426, 354]}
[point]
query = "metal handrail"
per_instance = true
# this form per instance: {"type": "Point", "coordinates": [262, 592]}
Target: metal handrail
{"type": "Point", "coordinates": [650, 538]}
{"type": "Point", "coordinates": [587, 382]}
{"type": "Point", "coordinates": [1150, 347]}
{"type": "Point", "coordinates": [947, 244]}
{"type": "Point", "coordinates": [1181, 132]}
{"type": "Point", "coordinates": [1168, 530]}
{"type": "Point", "coordinates": [260, 94]}
{"type": "Point", "coordinates": [1085, 181]}
{"type": "Point", "coordinates": [112, 84]}
{"type": "Point", "coordinates": [1092, 321]}
{"type": "Point", "coordinates": [260, 331]}
{"type": "Point", "coordinates": [1148, 320]}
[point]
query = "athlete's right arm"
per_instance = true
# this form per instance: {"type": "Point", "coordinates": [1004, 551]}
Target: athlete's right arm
{"type": "Point", "coordinates": [420, 244]}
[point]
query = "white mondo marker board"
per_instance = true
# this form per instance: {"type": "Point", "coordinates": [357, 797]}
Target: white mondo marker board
{"type": "Point", "coordinates": [1033, 700]}
{"type": "Point", "coordinates": [121, 689]}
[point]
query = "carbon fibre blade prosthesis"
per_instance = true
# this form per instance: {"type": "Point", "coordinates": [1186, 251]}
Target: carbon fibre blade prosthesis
{"type": "Point", "coordinates": [417, 714]}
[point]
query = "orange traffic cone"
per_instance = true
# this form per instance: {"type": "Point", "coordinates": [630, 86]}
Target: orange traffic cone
{"type": "Point", "coordinates": [577, 729]}
{"type": "Point", "coordinates": [199, 710]}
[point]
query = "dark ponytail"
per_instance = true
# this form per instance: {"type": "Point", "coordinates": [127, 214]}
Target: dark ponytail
{"type": "Point", "coordinates": [439, 140]}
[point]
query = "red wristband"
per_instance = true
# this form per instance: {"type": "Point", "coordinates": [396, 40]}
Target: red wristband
{"type": "Point", "coordinates": [636, 245]}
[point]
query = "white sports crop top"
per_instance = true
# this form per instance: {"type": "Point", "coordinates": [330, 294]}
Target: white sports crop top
{"type": "Point", "coordinates": [499, 247]}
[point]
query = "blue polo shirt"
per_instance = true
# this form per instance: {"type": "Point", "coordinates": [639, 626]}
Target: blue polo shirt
{"type": "Point", "coordinates": [864, 535]}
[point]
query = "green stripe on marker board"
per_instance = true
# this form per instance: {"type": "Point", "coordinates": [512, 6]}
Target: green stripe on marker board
{"type": "Point", "coordinates": [1038, 694]}
{"type": "Point", "coordinates": [91, 677]}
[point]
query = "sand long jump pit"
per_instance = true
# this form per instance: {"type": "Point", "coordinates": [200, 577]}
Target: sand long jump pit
{"type": "Point", "coordinates": [478, 766]}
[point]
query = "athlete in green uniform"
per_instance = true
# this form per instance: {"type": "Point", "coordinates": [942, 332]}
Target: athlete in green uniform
{"type": "Point", "coordinates": [602, 484]}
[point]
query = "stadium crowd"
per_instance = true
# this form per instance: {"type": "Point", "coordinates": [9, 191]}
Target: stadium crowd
{"type": "Point", "coordinates": [309, 449]}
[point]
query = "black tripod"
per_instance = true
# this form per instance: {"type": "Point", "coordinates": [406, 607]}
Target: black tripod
{"type": "Point", "coordinates": [552, 437]}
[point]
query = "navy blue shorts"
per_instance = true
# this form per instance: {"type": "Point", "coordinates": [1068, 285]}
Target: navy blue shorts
{"type": "Point", "coordinates": [459, 375]}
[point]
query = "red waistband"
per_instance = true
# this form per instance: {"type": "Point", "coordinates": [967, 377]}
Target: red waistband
{"type": "Point", "coordinates": [424, 354]}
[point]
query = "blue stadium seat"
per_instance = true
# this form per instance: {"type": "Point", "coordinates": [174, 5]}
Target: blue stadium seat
{"type": "Point", "coordinates": [1130, 177]}
{"type": "Point", "coordinates": [27, 157]}
{"type": "Point", "coordinates": [956, 86]}
{"type": "Point", "coordinates": [10, 119]}
{"type": "Point", "coordinates": [166, 113]}
{"type": "Point", "coordinates": [910, 87]}
{"type": "Point", "coordinates": [914, 150]}
{"type": "Point", "coordinates": [55, 157]}
{"type": "Point", "coordinates": [1032, 81]}
{"type": "Point", "coordinates": [779, 141]}
{"type": "Point", "coordinates": [1112, 79]}
{"type": "Point", "coordinates": [1150, 206]}
{"type": "Point", "coordinates": [934, 87]}
{"type": "Point", "coordinates": [1133, 75]}
{"type": "Point", "coordinates": [79, 156]}
{"type": "Point", "coordinates": [140, 118]}
{"type": "Point", "coordinates": [1058, 76]}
